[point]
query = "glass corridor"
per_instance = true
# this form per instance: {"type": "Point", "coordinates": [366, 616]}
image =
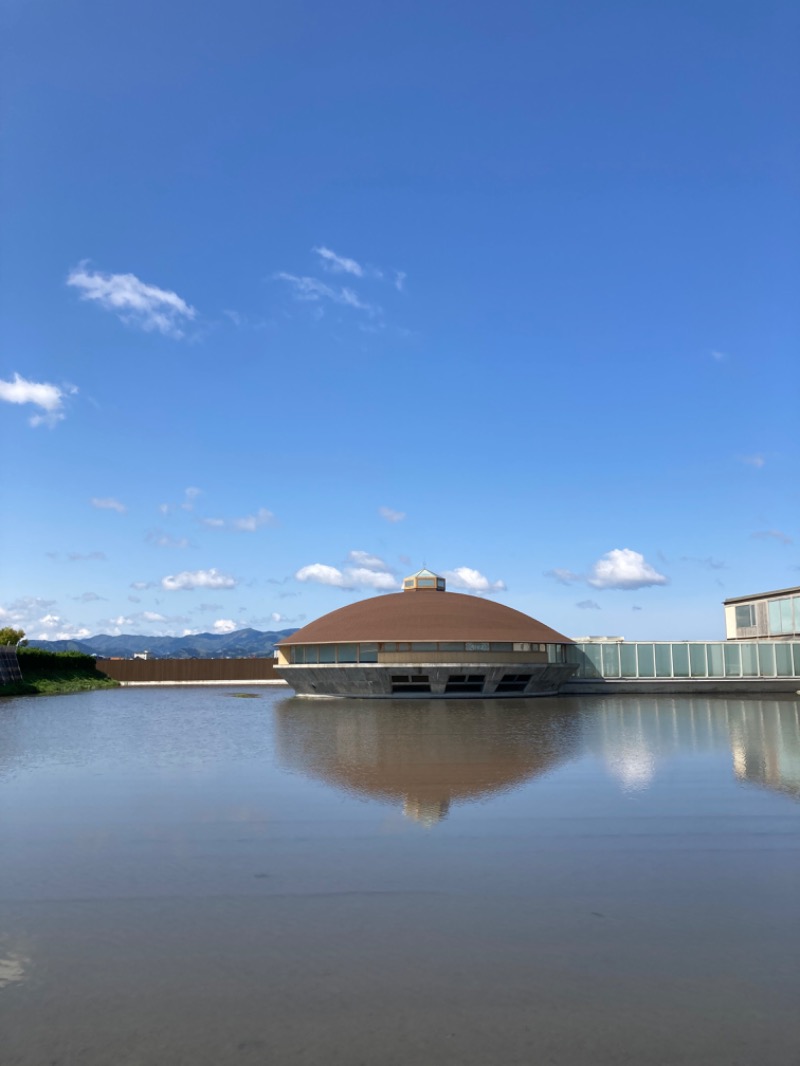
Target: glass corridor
{"type": "Point", "coordinates": [656, 659]}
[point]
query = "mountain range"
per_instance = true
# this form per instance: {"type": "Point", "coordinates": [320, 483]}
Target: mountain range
{"type": "Point", "coordinates": [242, 644]}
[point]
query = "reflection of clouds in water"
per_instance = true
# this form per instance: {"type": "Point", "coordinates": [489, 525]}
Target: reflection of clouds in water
{"type": "Point", "coordinates": [12, 969]}
{"type": "Point", "coordinates": [634, 768]}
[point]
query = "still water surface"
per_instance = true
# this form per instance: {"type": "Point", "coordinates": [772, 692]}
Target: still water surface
{"type": "Point", "coordinates": [192, 878]}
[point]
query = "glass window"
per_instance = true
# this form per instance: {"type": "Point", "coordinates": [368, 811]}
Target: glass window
{"type": "Point", "coordinates": [297, 654]}
{"type": "Point", "coordinates": [796, 601]}
{"type": "Point", "coordinates": [408, 583]}
{"type": "Point", "coordinates": [477, 645]}
{"type": "Point", "coordinates": [716, 662]}
{"type": "Point", "coordinates": [733, 662]}
{"type": "Point", "coordinates": [697, 660]}
{"type": "Point", "coordinates": [663, 660]}
{"type": "Point", "coordinates": [555, 653]}
{"type": "Point", "coordinates": [347, 653]}
{"type": "Point", "coordinates": [311, 653]}
{"type": "Point", "coordinates": [786, 615]}
{"type": "Point", "coordinates": [783, 660]}
{"type": "Point", "coordinates": [766, 660]}
{"type": "Point", "coordinates": [680, 660]}
{"type": "Point", "coordinates": [749, 660]}
{"type": "Point", "coordinates": [594, 660]}
{"type": "Point", "coordinates": [745, 615]}
{"type": "Point", "coordinates": [646, 658]}
{"type": "Point", "coordinates": [425, 583]}
{"type": "Point", "coordinates": [627, 660]}
{"type": "Point", "coordinates": [610, 660]}
{"type": "Point", "coordinates": [451, 645]}
{"type": "Point", "coordinates": [403, 646]}
{"type": "Point", "coordinates": [327, 653]}
{"type": "Point", "coordinates": [368, 653]}
{"type": "Point", "coordinates": [796, 659]}
{"type": "Point", "coordinates": [423, 645]}
{"type": "Point", "coordinates": [774, 617]}
{"type": "Point", "coordinates": [389, 646]}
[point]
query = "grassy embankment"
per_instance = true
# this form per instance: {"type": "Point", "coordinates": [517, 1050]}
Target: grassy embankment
{"type": "Point", "coordinates": [55, 672]}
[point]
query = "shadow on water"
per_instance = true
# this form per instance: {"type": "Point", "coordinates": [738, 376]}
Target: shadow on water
{"type": "Point", "coordinates": [425, 755]}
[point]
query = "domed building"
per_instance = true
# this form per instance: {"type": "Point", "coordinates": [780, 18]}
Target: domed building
{"type": "Point", "coordinates": [424, 641]}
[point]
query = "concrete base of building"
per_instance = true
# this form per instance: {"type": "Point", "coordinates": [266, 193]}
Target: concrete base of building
{"type": "Point", "coordinates": [700, 686]}
{"type": "Point", "coordinates": [427, 681]}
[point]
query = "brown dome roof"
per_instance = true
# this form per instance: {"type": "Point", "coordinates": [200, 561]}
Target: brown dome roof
{"type": "Point", "coordinates": [425, 615]}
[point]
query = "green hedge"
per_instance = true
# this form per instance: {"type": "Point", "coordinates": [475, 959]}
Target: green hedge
{"type": "Point", "coordinates": [35, 662]}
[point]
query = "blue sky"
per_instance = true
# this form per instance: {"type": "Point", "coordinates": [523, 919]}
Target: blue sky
{"type": "Point", "coordinates": [300, 296]}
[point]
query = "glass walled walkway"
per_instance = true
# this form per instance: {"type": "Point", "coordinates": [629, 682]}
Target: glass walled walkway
{"type": "Point", "coordinates": [685, 659]}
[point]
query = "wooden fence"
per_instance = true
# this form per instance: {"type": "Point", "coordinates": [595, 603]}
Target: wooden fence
{"type": "Point", "coordinates": [189, 669]}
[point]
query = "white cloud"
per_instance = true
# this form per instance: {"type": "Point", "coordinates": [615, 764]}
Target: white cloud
{"type": "Point", "coordinates": [400, 279]}
{"type": "Point", "coordinates": [225, 625]}
{"type": "Point", "coordinates": [153, 616]}
{"type": "Point", "coordinates": [464, 577]}
{"type": "Point", "coordinates": [622, 568]}
{"type": "Point", "coordinates": [390, 515]}
{"type": "Point", "coordinates": [213, 523]}
{"type": "Point", "coordinates": [361, 577]}
{"type": "Point", "coordinates": [197, 579]}
{"type": "Point", "coordinates": [338, 264]}
{"type": "Point", "coordinates": [133, 301]}
{"type": "Point", "coordinates": [322, 575]}
{"type": "Point", "coordinates": [50, 398]}
{"type": "Point", "coordinates": [369, 562]}
{"type": "Point", "coordinates": [757, 460]}
{"type": "Point", "coordinates": [108, 503]}
{"type": "Point", "coordinates": [588, 605]}
{"type": "Point", "coordinates": [88, 597]}
{"type": "Point", "coordinates": [352, 577]}
{"type": "Point", "coordinates": [314, 290]}
{"type": "Point", "coordinates": [144, 584]}
{"type": "Point", "coordinates": [719, 357]}
{"type": "Point", "coordinates": [772, 534]}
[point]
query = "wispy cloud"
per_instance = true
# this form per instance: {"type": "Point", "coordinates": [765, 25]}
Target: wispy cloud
{"type": "Point", "coordinates": [247, 524]}
{"type": "Point", "coordinates": [133, 301]}
{"type": "Point", "coordinates": [756, 460]}
{"type": "Point", "coordinates": [719, 357]}
{"type": "Point", "coordinates": [366, 560]}
{"type": "Point", "coordinates": [197, 579]}
{"type": "Point", "coordinates": [622, 568]}
{"type": "Point", "coordinates": [338, 264]}
{"type": "Point", "coordinates": [314, 291]}
{"type": "Point", "coordinates": [709, 562]}
{"type": "Point", "coordinates": [88, 597]}
{"type": "Point", "coordinates": [166, 540]}
{"type": "Point", "coordinates": [78, 557]}
{"type": "Point", "coordinates": [391, 516]}
{"type": "Point", "coordinates": [562, 575]}
{"type": "Point", "coordinates": [108, 503]}
{"type": "Point", "coordinates": [50, 398]}
{"type": "Point", "coordinates": [464, 577]}
{"type": "Point", "coordinates": [772, 534]}
{"type": "Point", "coordinates": [588, 605]}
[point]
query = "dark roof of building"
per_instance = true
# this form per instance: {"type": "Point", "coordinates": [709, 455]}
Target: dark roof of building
{"type": "Point", "coordinates": [762, 595]}
{"type": "Point", "coordinates": [424, 615]}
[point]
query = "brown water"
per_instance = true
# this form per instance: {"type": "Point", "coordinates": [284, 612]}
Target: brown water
{"type": "Point", "coordinates": [190, 878]}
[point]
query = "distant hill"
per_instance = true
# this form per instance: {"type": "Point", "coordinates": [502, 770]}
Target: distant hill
{"type": "Point", "coordinates": [243, 644]}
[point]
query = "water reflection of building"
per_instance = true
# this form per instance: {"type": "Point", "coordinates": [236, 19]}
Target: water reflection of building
{"type": "Point", "coordinates": [633, 735]}
{"type": "Point", "coordinates": [428, 754]}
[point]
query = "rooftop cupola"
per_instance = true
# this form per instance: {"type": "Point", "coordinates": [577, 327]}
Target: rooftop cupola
{"type": "Point", "coordinates": [424, 579]}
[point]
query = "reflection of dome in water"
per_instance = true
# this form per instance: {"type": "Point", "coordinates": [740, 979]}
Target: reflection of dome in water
{"type": "Point", "coordinates": [427, 754]}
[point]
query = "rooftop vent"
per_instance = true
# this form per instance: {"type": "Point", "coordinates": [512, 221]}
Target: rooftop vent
{"type": "Point", "coordinates": [424, 579]}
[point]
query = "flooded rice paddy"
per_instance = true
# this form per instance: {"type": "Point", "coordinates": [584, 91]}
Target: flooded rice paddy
{"type": "Point", "coordinates": [191, 878]}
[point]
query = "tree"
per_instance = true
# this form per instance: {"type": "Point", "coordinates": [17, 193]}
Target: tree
{"type": "Point", "coordinates": [11, 636]}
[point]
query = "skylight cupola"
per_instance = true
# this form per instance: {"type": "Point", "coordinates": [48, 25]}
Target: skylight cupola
{"type": "Point", "coordinates": [424, 579]}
